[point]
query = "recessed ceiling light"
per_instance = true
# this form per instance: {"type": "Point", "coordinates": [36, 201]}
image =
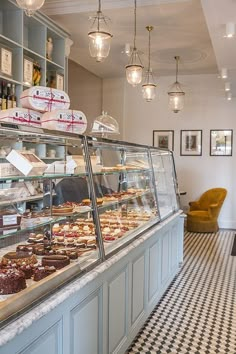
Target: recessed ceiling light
{"type": "Point", "coordinates": [224, 73]}
{"type": "Point", "coordinates": [229, 96]}
{"type": "Point", "coordinates": [227, 86]}
{"type": "Point", "coordinates": [229, 30]}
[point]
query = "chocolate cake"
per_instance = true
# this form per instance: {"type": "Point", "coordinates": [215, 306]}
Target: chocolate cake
{"type": "Point", "coordinates": [58, 261]}
{"type": "Point", "coordinates": [23, 250]}
{"type": "Point", "coordinates": [39, 250]}
{"type": "Point", "coordinates": [72, 254]}
{"type": "Point", "coordinates": [15, 258]}
{"type": "Point", "coordinates": [43, 272]}
{"type": "Point", "coordinates": [27, 269]}
{"type": "Point", "coordinates": [11, 281]}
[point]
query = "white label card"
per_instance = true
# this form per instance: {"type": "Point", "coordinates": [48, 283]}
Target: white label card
{"type": "Point", "coordinates": [9, 220]}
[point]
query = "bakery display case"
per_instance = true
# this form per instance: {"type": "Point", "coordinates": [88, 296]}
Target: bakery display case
{"type": "Point", "coordinates": [69, 202]}
{"type": "Point", "coordinates": [47, 236]}
{"type": "Point", "coordinates": [129, 203]}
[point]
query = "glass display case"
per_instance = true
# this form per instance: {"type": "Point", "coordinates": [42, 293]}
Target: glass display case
{"type": "Point", "coordinates": [67, 202]}
{"type": "Point", "coordinates": [165, 181]}
{"type": "Point", "coordinates": [129, 204]}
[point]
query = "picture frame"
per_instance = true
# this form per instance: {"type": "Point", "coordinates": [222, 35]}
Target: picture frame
{"type": "Point", "coordinates": [221, 142]}
{"type": "Point", "coordinates": [163, 139]}
{"type": "Point", "coordinates": [28, 69]}
{"type": "Point", "coordinates": [191, 142]}
{"type": "Point", "coordinates": [6, 61]}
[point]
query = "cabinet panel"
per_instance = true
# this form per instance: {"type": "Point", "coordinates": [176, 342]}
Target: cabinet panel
{"type": "Point", "coordinates": [51, 340]}
{"type": "Point", "coordinates": [117, 325]}
{"type": "Point", "coordinates": [85, 320]}
{"type": "Point", "coordinates": [165, 257]}
{"type": "Point", "coordinates": [10, 21]}
{"type": "Point", "coordinates": [34, 35]}
{"type": "Point", "coordinates": [174, 248]}
{"type": "Point", "coordinates": [138, 279]}
{"type": "Point", "coordinates": [154, 261]}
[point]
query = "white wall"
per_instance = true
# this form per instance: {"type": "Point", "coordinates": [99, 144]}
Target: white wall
{"type": "Point", "coordinates": [113, 100]}
{"type": "Point", "coordinates": [85, 91]}
{"type": "Point", "coordinates": [205, 109]}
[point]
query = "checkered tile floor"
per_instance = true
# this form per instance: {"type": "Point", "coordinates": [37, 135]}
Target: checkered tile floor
{"type": "Point", "coordinates": [197, 314]}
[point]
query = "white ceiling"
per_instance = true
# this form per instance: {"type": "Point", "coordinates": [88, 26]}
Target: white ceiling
{"type": "Point", "coordinates": [192, 29]}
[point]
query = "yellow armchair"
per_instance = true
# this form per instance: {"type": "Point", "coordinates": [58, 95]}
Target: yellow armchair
{"type": "Point", "coordinates": [203, 213]}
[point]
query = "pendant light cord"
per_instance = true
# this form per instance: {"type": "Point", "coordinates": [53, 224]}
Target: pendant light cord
{"type": "Point", "coordinates": [135, 7]}
{"type": "Point", "coordinates": [177, 68]}
{"type": "Point", "coordinates": [149, 50]}
{"type": "Point", "coordinates": [149, 53]}
{"type": "Point", "coordinates": [99, 14]}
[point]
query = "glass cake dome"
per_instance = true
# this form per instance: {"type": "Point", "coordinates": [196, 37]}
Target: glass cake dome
{"type": "Point", "coordinates": [104, 125]}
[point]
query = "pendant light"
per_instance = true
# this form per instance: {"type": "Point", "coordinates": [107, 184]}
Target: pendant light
{"type": "Point", "coordinates": [134, 69]}
{"type": "Point", "coordinates": [30, 6]}
{"type": "Point", "coordinates": [99, 36]}
{"type": "Point", "coordinates": [149, 87]}
{"type": "Point", "coordinates": [176, 94]}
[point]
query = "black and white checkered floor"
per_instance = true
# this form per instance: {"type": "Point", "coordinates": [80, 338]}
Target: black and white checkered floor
{"type": "Point", "coordinates": [197, 314]}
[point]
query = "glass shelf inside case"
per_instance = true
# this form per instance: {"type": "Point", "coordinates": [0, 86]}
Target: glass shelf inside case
{"type": "Point", "coordinates": [128, 203]}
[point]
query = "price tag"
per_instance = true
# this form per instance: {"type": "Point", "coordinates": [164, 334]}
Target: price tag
{"type": "Point", "coordinates": [9, 220]}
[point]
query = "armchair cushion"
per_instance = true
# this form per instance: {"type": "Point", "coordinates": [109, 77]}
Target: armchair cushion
{"type": "Point", "coordinates": [203, 213]}
{"type": "Point", "coordinates": [199, 215]}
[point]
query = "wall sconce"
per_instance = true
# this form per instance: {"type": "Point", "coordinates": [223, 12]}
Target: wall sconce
{"type": "Point", "coordinates": [128, 49]}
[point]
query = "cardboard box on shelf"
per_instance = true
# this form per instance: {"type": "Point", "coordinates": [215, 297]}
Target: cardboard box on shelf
{"type": "Point", "coordinates": [8, 170]}
{"type": "Point", "coordinates": [26, 162]}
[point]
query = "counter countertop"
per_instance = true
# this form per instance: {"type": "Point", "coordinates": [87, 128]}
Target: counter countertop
{"type": "Point", "coordinates": [26, 320]}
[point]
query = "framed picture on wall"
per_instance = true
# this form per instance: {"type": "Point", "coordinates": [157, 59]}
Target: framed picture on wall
{"type": "Point", "coordinates": [221, 142]}
{"type": "Point", "coordinates": [163, 139]}
{"type": "Point", "coordinates": [191, 142]}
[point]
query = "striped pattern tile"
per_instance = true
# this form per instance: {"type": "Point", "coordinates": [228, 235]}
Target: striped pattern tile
{"type": "Point", "coordinates": [197, 314]}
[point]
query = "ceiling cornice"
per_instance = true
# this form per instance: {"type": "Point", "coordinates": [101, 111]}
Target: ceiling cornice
{"type": "Point", "coordinates": [62, 7]}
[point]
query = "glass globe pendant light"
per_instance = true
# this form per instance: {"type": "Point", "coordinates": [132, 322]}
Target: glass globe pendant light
{"type": "Point", "coordinates": [30, 6]}
{"type": "Point", "coordinates": [99, 36]}
{"type": "Point", "coordinates": [176, 94]}
{"type": "Point", "coordinates": [134, 69]}
{"type": "Point", "coordinates": [149, 87]}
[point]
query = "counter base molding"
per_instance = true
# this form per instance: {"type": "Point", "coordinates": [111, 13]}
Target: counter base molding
{"type": "Point", "coordinates": [103, 311]}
